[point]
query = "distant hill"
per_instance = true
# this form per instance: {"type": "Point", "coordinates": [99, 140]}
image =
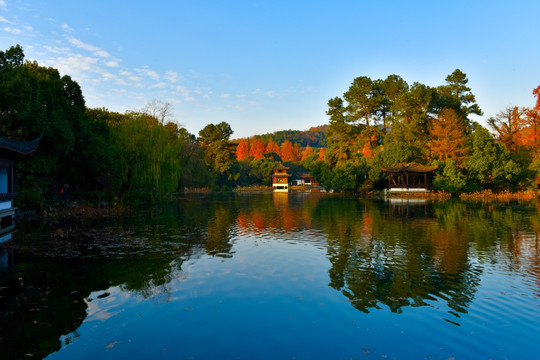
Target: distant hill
{"type": "Point", "coordinates": [314, 137]}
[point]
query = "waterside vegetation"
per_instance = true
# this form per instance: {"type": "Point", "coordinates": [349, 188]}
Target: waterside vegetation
{"type": "Point", "coordinates": [108, 156]}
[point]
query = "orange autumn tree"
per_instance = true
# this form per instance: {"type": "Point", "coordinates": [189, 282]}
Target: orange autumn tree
{"type": "Point", "coordinates": [242, 150]}
{"type": "Point", "coordinates": [308, 151]}
{"type": "Point", "coordinates": [509, 125]}
{"type": "Point", "coordinates": [296, 152]}
{"type": "Point", "coordinates": [448, 137]}
{"type": "Point", "coordinates": [531, 136]}
{"type": "Point", "coordinates": [290, 152]}
{"type": "Point", "coordinates": [322, 153]}
{"type": "Point", "coordinates": [272, 147]}
{"type": "Point", "coordinates": [257, 148]}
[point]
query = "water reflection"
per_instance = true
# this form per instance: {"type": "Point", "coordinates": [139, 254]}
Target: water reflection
{"type": "Point", "coordinates": [381, 254]}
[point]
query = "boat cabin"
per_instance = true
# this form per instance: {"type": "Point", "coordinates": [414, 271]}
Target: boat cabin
{"type": "Point", "coordinates": [409, 177]}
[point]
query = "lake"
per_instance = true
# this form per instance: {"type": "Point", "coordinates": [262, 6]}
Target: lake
{"type": "Point", "coordinates": [277, 276]}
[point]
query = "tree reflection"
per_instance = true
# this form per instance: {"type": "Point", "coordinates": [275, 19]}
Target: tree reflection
{"type": "Point", "coordinates": [45, 290]}
{"type": "Point", "coordinates": [382, 254]}
{"type": "Point", "coordinates": [413, 254]}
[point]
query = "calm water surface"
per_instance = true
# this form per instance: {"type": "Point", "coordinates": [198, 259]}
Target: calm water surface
{"type": "Point", "coordinates": [271, 276]}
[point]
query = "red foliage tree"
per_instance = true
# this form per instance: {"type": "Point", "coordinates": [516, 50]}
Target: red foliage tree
{"type": "Point", "coordinates": [257, 148]}
{"type": "Point", "coordinates": [272, 147]}
{"type": "Point", "coordinates": [242, 150]}
{"type": "Point", "coordinates": [531, 134]}
{"type": "Point", "coordinates": [287, 151]}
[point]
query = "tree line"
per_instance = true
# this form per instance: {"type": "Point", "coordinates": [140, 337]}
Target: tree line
{"type": "Point", "coordinates": [105, 154]}
{"type": "Point", "coordinates": [383, 122]}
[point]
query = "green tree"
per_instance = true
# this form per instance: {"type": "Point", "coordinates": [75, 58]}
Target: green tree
{"type": "Point", "coordinates": [414, 109]}
{"type": "Point", "coordinates": [449, 177]}
{"type": "Point", "coordinates": [148, 157]}
{"type": "Point", "coordinates": [346, 177]}
{"type": "Point", "coordinates": [490, 164]}
{"type": "Point", "coordinates": [340, 134]}
{"type": "Point", "coordinates": [219, 152]}
{"type": "Point", "coordinates": [195, 173]}
{"type": "Point", "coordinates": [36, 100]}
{"type": "Point", "coordinates": [362, 100]}
{"type": "Point", "coordinates": [386, 93]}
{"type": "Point", "coordinates": [457, 95]}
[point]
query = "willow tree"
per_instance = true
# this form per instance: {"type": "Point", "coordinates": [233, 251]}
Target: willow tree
{"type": "Point", "coordinates": [148, 156]}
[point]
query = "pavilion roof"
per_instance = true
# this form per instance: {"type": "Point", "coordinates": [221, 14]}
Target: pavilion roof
{"type": "Point", "coordinates": [21, 147]}
{"type": "Point", "coordinates": [411, 167]}
{"type": "Point", "coordinates": [281, 167]}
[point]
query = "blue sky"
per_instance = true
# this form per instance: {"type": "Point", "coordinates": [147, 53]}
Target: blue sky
{"type": "Point", "coordinates": [264, 66]}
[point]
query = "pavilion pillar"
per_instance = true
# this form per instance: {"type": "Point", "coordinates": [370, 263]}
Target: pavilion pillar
{"type": "Point", "coordinates": [407, 179]}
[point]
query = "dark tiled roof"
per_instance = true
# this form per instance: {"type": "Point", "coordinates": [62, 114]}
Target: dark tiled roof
{"type": "Point", "coordinates": [21, 147]}
{"type": "Point", "coordinates": [409, 167]}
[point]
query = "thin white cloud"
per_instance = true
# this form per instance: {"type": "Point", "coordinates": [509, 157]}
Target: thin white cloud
{"type": "Point", "coordinates": [147, 72]}
{"type": "Point", "coordinates": [94, 49]}
{"type": "Point", "coordinates": [4, 20]}
{"type": "Point", "coordinates": [56, 49]}
{"type": "Point", "coordinates": [267, 93]}
{"type": "Point", "coordinates": [13, 31]}
{"type": "Point", "coordinates": [183, 90]}
{"type": "Point", "coordinates": [173, 100]}
{"type": "Point", "coordinates": [172, 76]}
{"type": "Point", "coordinates": [112, 63]}
{"type": "Point", "coordinates": [190, 99]}
{"type": "Point", "coordinates": [160, 85]}
{"type": "Point", "coordinates": [66, 28]}
{"type": "Point", "coordinates": [225, 96]}
{"type": "Point", "coordinates": [2, 3]}
{"type": "Point", "coordinates": [76, 65]}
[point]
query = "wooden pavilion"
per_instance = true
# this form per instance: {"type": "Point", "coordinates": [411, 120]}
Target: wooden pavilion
{"type": "Point", "coordinates": [9, 150]}
{"type": "Point", "coordinates": [305, 179]}
{"type": "Point", "coordinates": [280, 178]}
{"type": "Point", "coordinates": [409, 177]}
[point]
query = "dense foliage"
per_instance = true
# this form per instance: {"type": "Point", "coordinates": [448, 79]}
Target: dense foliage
{"type": "Point", "coordinates": [383, 122]}
{"type": "Point", "coordinates": [375, 123]}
